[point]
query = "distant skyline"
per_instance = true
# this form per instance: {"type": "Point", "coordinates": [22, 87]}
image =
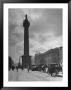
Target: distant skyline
{"type": "Point", "coordinates": [45, 31]}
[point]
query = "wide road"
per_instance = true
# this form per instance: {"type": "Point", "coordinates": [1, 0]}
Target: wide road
{"type": "Point", "coordinates": [31, 76]}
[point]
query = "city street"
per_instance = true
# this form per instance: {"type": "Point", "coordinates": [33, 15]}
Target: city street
{"type": "Point", "coordinates": [31, 76]}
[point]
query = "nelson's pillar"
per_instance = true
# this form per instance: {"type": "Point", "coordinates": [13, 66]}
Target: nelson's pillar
{"type": "Point", "coordinates": [26, 59]}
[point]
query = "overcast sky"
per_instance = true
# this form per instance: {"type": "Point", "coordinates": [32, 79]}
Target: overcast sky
{"type": "Point", "coordinates": [45, 31]}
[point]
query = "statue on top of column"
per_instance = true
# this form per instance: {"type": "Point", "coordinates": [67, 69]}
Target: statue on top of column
{"type": "Point", "coordinates": [26, 23]}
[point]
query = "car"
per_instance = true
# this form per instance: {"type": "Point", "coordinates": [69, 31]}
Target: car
{"type": "Point", "coordinates": [54, 69]}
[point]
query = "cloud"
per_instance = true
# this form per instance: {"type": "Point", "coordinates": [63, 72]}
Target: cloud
{"type": "Point", "coordinates": [42, 37]}
{"type": "Point", "coordinates": [35, 16]}
{"type": "Point", "coordinates": [43, 42]}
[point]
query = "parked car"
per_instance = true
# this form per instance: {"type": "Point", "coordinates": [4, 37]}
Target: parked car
{"type": "Point", "coordinates": [54, 69]}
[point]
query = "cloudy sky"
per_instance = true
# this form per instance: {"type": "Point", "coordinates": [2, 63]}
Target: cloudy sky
{"type": "Point", "coordinates": [45, 31]}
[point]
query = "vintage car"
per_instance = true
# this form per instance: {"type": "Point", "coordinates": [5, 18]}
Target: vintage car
{"type": "Point", "coordinates": [54, 69]}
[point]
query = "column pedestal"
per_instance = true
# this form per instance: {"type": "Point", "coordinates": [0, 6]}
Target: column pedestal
{"type": "Point", "coordinates": [26, 61]}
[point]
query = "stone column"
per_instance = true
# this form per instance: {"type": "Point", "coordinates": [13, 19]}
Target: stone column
{"type": "Point", "coordinates": [26, 58]}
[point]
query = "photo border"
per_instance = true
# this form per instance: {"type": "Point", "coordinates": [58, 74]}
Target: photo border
{"type": "Point", "coordinates": [65, 47]}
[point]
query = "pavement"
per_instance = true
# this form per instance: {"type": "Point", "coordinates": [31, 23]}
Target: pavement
{"type": "Point", "coordinates": [24, 75]}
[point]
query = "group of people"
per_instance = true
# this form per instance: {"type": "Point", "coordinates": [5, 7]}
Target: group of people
{"type": "Point", "coordinates": [52, 69]}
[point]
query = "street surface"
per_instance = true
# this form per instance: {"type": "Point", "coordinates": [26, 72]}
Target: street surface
{"type": "Point", "coordinates": [31, 76]}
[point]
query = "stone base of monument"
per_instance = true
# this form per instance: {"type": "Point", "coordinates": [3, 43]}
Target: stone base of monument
{"type": "Point", "coordinates": [26, 61]}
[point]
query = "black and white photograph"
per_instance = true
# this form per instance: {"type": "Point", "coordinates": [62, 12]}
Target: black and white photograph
{"type": "Point", "coordinates": [36, 40]}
